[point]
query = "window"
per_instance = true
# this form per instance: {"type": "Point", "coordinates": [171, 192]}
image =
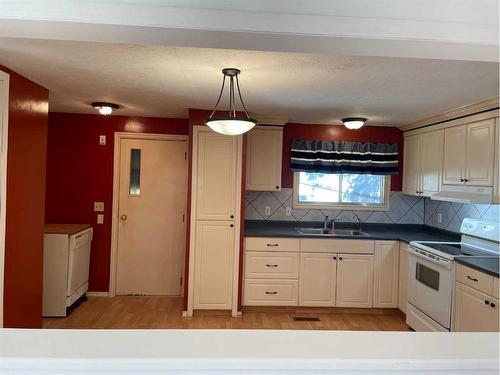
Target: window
{"type": "Point", "coordinates": [353, 191]}
{"type": "Point", "coordinates": [135, 172]}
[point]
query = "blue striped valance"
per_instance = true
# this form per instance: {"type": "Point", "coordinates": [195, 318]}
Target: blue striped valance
{"type": "Point", "coordinates": [345, 157]}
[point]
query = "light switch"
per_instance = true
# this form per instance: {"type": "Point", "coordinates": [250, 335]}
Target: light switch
{"type": "Point", "coordinates": [288, 211]}
{"type": "Point", "coordinates": [98, 206]}
{"type": "Point", "coordinates": [100, 219]}
{"type": "Point", "coordinates": [102, 140]}
{"type": "Point", "coordinates": [267, 210]}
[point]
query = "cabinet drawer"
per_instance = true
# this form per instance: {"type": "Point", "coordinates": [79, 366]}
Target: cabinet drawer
{"type": "Point", "coordinates": [319, 245]}
{"type": "Point", "coordinates": [495, 287]}
{"type": "Point", "coordinates": [271, 244]}
{"type": "Point", "coordinates": [270, 292]}
{"type": "Point", "coordinates": [265, 265]}
{"type": "Point", "coordinates": [475, 279]}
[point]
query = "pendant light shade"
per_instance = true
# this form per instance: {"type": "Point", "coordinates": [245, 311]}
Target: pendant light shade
{"type": "Point", "coordinates": [231, 124]}
{"type": "Point", "coordinates": [354, 122]}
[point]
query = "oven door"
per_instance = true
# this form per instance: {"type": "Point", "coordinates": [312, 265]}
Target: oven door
{"type": "Point", "coordinates": [430, 286]}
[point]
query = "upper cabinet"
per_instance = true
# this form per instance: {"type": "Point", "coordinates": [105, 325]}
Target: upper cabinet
{"type": "Point", "coordinates": [264, 153]}
{"type": "Point", "coordinates": [469, 154]}
{"type": "Point", "coordinates": [423, 155]}
{"type": "Point", "coordinates": [216, 180]}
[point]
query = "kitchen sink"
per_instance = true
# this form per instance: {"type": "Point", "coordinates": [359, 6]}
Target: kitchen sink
{"type": "Point", "coordinates": [330, 232]}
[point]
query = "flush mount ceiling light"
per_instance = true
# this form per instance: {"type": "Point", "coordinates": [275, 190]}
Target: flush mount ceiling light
{"type": "Point", "coordinates": [230, 124]}
{"type": "Point", "coordinates": [105, 108]}
{"type": "Point", "coordinates": [354, 122]}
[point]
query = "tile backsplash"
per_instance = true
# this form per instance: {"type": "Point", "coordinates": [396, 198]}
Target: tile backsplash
{"type": "Point", "coordinates": [452, 214]}
{"type": "Point", "coordinates": [404, 209]}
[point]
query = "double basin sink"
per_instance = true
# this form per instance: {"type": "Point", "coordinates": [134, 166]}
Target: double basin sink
{"type": "Point", "coordinates": [331, 232]}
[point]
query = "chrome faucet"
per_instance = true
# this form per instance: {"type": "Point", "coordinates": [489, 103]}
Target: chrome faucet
{"type": "Point", "coordinates": [328, 223]}
{"type": "Point", "coordinates": [359, 220]}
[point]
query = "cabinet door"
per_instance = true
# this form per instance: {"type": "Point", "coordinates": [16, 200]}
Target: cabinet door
{"type": "Point", "coordinates": [480, 153]}
{"type": "Point", "coordinates": [473, 311]}
{"type": "Point", "coordinates": [411, 171]}
{"type": "Point", "coordinates": [264, 152]}
{"type": "Point", "coordinates": [354, 280]}
{"type": "Point", "coordinates": [385, 274]}
{"type": "Point", "coordinates": [213, 265]}
{"type": "Point", "coordinates": [431, 161]}
{"type": "Point", "coordinates": [215, 177]}
{"type": "Point", "coordinates": [455, 154]}
{"type": "Point", "coordinates": [403, 276]}
{"type": "Point", "coordinates": [317, 279]}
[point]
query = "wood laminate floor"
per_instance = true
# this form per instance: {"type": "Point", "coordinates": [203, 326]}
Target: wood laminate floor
{"type": "Point", "coordinates": [166, 312]}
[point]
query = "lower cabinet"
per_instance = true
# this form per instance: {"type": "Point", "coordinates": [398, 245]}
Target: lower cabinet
{"type": "Point", "coordinates": [318, 279]}
{"type": "Point", "coordinates": [321, 272]}
{"type": "Point", "coordinates": [213, 268]}
{"type": "Point", "coordinates": [386, 274]}
{"type": "Point", "coordinates": [343, 280]}
{"type": "Point", "coordinates": [354, 280]}
{"type": "Point", "coordinates": [403, 276]}
{"type": "Point", "coordinates": [475, 311]}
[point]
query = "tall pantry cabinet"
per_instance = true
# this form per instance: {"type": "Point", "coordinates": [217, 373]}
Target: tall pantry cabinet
{"type": "Point", "coordinates": [215, 218]}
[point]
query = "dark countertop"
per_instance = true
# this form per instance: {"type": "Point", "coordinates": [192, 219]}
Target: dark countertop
{"type": "Point", "coordinates": [401, 232]}
{"type": "Point", "coordinates": [487, 265]}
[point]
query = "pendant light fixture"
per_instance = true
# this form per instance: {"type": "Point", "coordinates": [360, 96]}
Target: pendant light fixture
{"type": "Point", "coordinates": [354, 122]}
{"type": "Point", "coordinates": [105, 108]}
{"type": "Point", "coordinates": [230, 124]}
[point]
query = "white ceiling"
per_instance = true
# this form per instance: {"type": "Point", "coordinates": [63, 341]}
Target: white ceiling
{"type": "Point", "coordinates": [165, 81]}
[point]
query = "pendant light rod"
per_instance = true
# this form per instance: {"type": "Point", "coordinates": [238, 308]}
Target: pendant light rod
{"type": "Point", "coordinates": [232, 73]}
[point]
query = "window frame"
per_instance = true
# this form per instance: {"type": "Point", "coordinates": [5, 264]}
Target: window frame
{"type": "Point", "coordinates": [341, 206]}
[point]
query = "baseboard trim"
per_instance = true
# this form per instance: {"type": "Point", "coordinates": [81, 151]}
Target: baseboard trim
{"type": "Point", "coordinates": [97, 294]}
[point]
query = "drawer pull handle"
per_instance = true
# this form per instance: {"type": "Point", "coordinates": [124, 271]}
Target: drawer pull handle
{"type": "Point", "coordinates": [486, 302]}
{"type": "Point", "coordinates": [272, 244]}
{"type": "Point", "coordinates": [492, 305]}
{"type": "Point", "coordinates": [271, 265]}
{"type": "Point", "coordinates": [473, 279]}
{"type": "Point", "coordinates": [271, 292]}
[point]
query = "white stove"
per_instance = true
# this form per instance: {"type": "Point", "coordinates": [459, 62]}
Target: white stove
{"type": "Point", "coordinates": [431, 273]}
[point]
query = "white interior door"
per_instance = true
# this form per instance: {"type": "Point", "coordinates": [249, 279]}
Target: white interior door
{"type": "Point", "coordinates": [151, 209]}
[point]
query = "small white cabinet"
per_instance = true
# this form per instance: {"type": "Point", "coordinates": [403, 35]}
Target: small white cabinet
{"type": "Point", "coordinates": [423, 155]}
{"type": "Point", "coordinates": [469, 154]}
{"type": "Point", "coordinates": [475, 311]}
{"type": "Point", "coordinates": [403, 276]}
{"type": "Point", "coordinates": [386, 274]}
{"type": "Point", "coordinates": [318, 279]}
{"type": "Point", "coordinates": [476, 302]}
{"type": "Point", "coordinates": [354, 280]}
{"type": "Point", "coordinates": [264, 154]}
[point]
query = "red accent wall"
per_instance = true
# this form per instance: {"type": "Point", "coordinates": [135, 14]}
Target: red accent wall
{"type": "Point", "coordinates": [310, 132]}
{"type": "Point", "coordinates": [26, 158]}
{"type": "Point", "coordinates": [80, 172]}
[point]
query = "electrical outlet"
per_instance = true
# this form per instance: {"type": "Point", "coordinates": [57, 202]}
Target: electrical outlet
{"type": "Point", "coordinates": [100, 219]}
{"type": "Point", "coordinates": [288, 211]}
{"type": "Point", "coordinates": [440, 217]}
{"type": "Point", "coordinates": [102, 140]}
{"type": "Point", "coordinates": [267, 210]}
{"type": "Point", "coordinates": [98, 206]}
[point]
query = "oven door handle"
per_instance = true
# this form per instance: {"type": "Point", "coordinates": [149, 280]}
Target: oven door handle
{"type": "Point", "coordinates": [442, 263]}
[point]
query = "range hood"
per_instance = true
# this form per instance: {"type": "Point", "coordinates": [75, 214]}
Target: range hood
{"type": "Point", "coordinates": [464, 194]}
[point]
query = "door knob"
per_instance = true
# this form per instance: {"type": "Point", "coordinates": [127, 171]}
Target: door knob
{"type": "Point", "coordinates": [123, 217]}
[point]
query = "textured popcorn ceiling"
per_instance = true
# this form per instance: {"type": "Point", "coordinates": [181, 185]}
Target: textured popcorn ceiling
{"type": "Point", "coordinates": [166, 81]}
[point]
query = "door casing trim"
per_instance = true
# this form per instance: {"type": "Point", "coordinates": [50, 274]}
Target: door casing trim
{"type": "Point", "coordinates": [116, 186]}
{"type": "Point", "coordinates": [4, 128]}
